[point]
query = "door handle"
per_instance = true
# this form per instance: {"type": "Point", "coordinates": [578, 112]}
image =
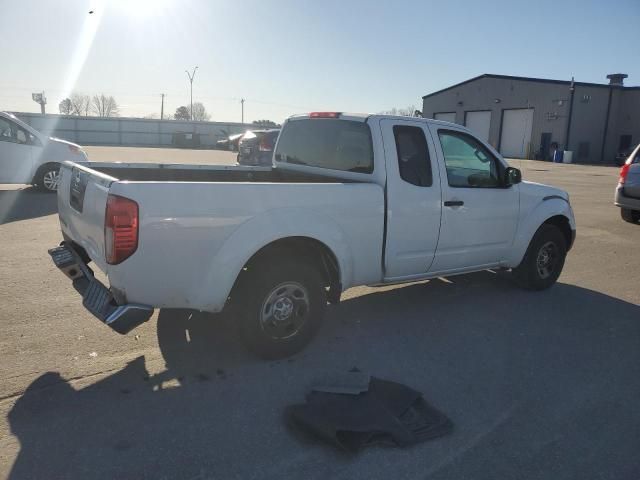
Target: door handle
{"type": "Point", "coordinates": [453, 203]}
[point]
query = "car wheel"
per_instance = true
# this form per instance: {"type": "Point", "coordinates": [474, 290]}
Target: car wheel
{"type": "Point", "coordinates": [631, 216]}
{"type": "Point", "coordinates": [48, 178]}
{"type": "Point", "coordinates": [544, 259]}
{"type": "Point", "coordinates": [281, 305]}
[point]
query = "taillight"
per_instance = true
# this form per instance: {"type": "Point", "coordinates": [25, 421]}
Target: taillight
{"type": "Point", "coordinates": [266, 145]}
{"type": "Point", "coordinates": [624, 171]}
{"type": "Point", "coordinates": [120, 229]}
{"type": "Point", "coordinates": [324, 114]}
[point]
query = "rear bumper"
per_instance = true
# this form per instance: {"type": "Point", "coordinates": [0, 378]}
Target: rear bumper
{"type": "Point", "coordinates": [626, 202]}
{"type": "Point", "coordinates": [97, 298]}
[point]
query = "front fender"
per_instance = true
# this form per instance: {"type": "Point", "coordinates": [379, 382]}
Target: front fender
{"type": "Point", "coordinates": [262, 230]}
{"type": "Point", "coordinates": [530, 222]}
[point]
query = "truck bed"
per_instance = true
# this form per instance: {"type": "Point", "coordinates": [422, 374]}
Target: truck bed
{"type": "Point", "coordinates": [199, 225]}
{"type": "Point", "coordinates": [150, 172]}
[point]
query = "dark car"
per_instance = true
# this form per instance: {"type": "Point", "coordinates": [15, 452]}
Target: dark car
{"type": "Point", "coordinates": [222, 144]}
{"type": "Point", "coordinates": [229, 143]}
{"type": "Point", "coordinates": [256, 147]}
{"type": "Point", "coordinates": [622, 156]}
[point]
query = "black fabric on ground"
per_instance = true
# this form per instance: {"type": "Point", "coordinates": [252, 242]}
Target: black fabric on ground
{"type": "Point", "coordinates": [387, 413]}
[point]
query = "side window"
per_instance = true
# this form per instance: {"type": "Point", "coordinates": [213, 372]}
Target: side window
{"type": "Point", "coordinates": [6, 132]}
{"type": "Point", "coordinates": [469, 164]}
{"type": "Point", "coordinates": [21, 136]}
{"type": "Point", "coordinates": [414, 163]}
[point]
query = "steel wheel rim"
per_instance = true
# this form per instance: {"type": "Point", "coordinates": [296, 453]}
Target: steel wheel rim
{"type": "Point", "coordinates": [285, 311]}
{"type": "Point", "coordinates": [547, 260]}
{"type": "Point", "coordinates": [50, 180]}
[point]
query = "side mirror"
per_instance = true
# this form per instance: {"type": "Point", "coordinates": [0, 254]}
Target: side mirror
{"type": "Point", "coordinates": [512, 176]}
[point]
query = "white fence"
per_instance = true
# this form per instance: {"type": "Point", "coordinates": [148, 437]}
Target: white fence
{"type": "Point", "coordinates": [131, 131]}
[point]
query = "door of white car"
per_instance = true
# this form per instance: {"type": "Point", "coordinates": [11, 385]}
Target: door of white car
{"type": "Point", "coordinates": [414, 203]}
{"type": "Point", "coordinates": [480, 214]}
{"type": "Point", "coordinates": [16, 153]}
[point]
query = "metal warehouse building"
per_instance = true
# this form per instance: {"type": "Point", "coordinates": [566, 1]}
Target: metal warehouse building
{"type": "Point", "coordinates": [522, 117]}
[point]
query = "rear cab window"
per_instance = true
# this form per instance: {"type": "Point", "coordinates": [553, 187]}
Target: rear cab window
{"type": "Point", "coordinates": [334, 144]}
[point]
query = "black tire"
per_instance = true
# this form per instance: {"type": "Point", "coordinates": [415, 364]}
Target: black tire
{"type": "Point", "coordinates": [542, 263]}
{"type": "Point", "coordinates": [45, 176]}
{"type": "Point", "coordinates": [272, 288]}
{"type": "Point", "coordinates": [631, 216]}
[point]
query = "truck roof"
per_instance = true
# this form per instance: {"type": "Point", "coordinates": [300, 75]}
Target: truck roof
{"type": "Point", "coordinates": [363, 117]}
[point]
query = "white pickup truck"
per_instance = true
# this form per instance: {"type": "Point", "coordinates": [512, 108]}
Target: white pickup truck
{"type": "Point", "coordinates": [350, 200]}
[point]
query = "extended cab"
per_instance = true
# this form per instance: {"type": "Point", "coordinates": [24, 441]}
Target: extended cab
{"type": "Point", "coordinates": [350, 200]}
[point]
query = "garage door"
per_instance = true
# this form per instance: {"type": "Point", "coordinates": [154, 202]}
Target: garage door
{"type": "Point", "coordinates": [516, 132]}
{"type": "Point", "coordinates": [479, 123]}
{"type": "Point", "coordinates": [446, 117]}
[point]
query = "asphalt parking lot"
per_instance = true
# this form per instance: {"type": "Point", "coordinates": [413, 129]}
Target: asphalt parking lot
{"type": "Point", "coordinates": [538, 385]}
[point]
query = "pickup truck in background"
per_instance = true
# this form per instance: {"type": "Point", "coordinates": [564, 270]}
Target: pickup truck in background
{"type": "Point", "coordinates": [350, 200]}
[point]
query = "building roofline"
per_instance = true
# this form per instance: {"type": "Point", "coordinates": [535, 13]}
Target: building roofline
{"type": "Point", "coordinates": [529, 79]}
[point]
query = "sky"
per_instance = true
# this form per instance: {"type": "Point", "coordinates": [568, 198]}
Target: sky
{"type": "Point", "coordinates": [293, 56]}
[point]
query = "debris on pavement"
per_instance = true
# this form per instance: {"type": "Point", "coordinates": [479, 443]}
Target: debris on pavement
{"type": "Point", "coordinates": [353, 411]}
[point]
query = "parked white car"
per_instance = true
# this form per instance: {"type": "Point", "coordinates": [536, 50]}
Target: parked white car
{"type": "Point", "coordinates": [351, 200]}
{"type": "Point", "coordinates": [28, 156]}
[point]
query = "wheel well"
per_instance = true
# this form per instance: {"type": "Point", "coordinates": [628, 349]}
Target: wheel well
{"type": "Point", "coordinates": [562, 223]}
{"type": "Point", "coordinates": [41, 168]}
{"type": "Point", "coordinates": [306, 249]}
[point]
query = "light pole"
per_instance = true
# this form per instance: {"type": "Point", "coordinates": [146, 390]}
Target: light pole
{"type": "Point", "coordinates": [242, 103]}
{"type": "Point", "coordinates": [191, 75]}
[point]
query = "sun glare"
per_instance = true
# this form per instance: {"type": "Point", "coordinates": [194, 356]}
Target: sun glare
{"type": "Point", "coordinates": [139, 8]}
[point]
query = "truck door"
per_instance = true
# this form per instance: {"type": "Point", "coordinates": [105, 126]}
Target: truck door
{"type": "Point", "coordinates": [480, 214]}
{"type": "Point", "coordinates": [414, 203]}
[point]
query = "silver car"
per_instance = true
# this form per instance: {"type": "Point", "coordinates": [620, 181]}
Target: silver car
{"type": "Point", "coordinates": [628, 190]}
{"type": "Point", "coordinates": [28, 156]}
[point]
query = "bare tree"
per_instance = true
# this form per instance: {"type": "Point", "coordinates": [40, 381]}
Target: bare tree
{"type": "Point", "coordinates": [104, 106]}
{"type": "Point", "coordinates": [65, 107]}
{"type": "Point", "coordinates": [199, 112]}
{"type": "Point", "coordinates": [182, 113]}
{"type": "Point", "coordinates": [265, 123]}
{"type": "Point", "coordinates": [79, 104]}
{"type": "Point", "coordinates": [410, 111]}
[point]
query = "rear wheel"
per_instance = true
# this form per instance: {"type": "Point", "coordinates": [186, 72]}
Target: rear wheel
{"type": "Point", "coordinates": [544, 259]}
{"type": "Point", "coordinates": [47, 178]}
{"type": "Point", "coordinates": [281, 304]}
{"type": "Point", "coordinates": [631, 216]}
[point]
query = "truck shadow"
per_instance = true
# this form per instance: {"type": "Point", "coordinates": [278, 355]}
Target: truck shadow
{"type": "Point", "coordinates": [25, 204]}
{"type": "Point", "coordinates": [521, 374]}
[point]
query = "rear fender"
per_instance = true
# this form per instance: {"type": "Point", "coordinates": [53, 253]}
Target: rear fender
{"type": "Point", "coordinates": [259, 232]}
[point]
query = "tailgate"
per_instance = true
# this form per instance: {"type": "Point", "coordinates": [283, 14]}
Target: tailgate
{"type": "Point", "coordinates": [82, 200]}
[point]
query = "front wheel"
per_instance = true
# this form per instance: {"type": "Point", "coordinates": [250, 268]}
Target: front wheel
{"type": "Point", "coordinates": [48, 177]}
{"type": "Point", "coordinates": [544, 259]}
{"type": "Point", "coordinates": [281, 306]}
